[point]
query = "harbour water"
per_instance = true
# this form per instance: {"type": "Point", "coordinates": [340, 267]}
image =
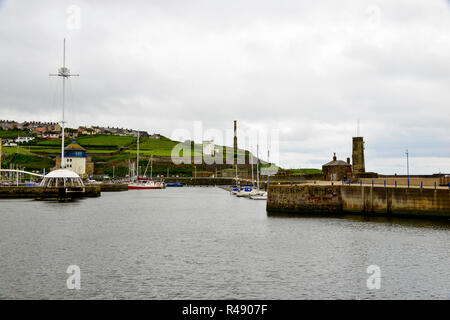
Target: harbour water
{"type": "Point", "coordinates": [202, 243]}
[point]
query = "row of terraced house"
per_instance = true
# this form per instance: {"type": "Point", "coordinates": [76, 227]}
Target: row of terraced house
{"type": "Point", "coordinates": [52, 130]}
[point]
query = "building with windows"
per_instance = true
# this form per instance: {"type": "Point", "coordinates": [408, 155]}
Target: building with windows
{"type": "Point", "coordinates": [208, 148]}
{"type": "Point", "coordinates": [76, 160]}
{"type": "Point", "coordinates": [336, 170]}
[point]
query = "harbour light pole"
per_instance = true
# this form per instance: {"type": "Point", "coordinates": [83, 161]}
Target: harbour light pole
{"type": "Point", "coordinates": [64, 73]}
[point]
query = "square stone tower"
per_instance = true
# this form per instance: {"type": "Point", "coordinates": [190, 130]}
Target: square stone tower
{"type": "Point", "coordinates": [358, 155]}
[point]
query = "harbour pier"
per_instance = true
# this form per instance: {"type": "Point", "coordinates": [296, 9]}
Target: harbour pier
{"type": "Point", "coordinates": [23, 192]}
{"type": "Point", "coordinates": [323, 199]}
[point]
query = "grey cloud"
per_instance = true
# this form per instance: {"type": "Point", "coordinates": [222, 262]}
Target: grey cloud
{"type": "Point", "coordinates": [311, 69]}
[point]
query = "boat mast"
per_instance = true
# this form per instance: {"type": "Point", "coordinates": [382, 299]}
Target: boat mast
{"type": "Point", "coordinates": [137, 157]}
{"type": "Point", "coordinates": [251, 159]}
{"type": "Point", "coordinates": [146, 168]}
{"type": "Point", "coordinates": [65, 74]}
{"type": "Point", "coordinates": [257, 167]}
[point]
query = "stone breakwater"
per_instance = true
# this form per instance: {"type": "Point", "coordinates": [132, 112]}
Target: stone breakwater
{"type": "Point", "coordinates": [314, 199]}
{"type": "Point", "coordinates": [91, 190]}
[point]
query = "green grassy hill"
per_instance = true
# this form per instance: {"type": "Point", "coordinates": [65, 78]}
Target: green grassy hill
{"type": "Point", "coordinates": [109, 153]}
{"type": "Point", "coordinates": [21, 156]}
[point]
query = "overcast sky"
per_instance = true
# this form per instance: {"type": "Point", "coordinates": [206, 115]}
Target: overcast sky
{"type": "Point", "coordinates": [309, 69]}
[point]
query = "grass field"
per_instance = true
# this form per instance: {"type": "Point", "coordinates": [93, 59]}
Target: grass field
{"type": "Point", "coordinates": [10, 134]}
{"type": "Point", "coordinates": [304, 171]}
{"type": "Point", "coordinates": [20, 156]}
{"type": "Point", "coordinates": [17, 150]}
{"type": "Point", "coordinates": [52, 149]}
{"type": "Point", "coordinates": [52, 142]}
{"type": "Point", "coordinates": [105, 140]}
{"type": "Point", "coordinates": [93, 141]}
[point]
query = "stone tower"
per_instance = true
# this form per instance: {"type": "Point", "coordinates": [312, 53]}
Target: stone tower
{"type": "Point", "coordinates": [358, 155]}
{"type": "Point", "coordinates": [235, 146]}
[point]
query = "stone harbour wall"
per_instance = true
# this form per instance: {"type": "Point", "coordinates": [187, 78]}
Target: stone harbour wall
{"type": "Point", "coordinates": [376, 200]}
{"type": "Point", "coordinates": [304, 199]}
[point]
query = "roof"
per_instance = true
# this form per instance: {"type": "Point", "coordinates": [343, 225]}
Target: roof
{"type": "Point", "coordinates": [337, 163]}
{"type": "Point", "coordinates": [74, 146]}
{"type": "Point", "coordinates": [62, 173]}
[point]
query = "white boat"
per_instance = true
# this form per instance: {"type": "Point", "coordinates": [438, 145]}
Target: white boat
{"type": "Point", "coordinates": [147, 184]}
{"type": "Point", "coordinates": [257, 194]}
{"type": "Point", "coordinates": [235, 190]}
{"type": "Point", "coordinates": [144, 183]}
{"type": "Point", "coordinates": [245, 192]}
{"type": "Point", "coordinates": [260, 195]}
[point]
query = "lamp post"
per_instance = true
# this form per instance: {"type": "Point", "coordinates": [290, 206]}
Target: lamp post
{"type": "Point", "coordinates": [407, 165]}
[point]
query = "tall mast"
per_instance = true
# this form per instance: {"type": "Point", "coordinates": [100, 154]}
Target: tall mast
{"type": "Point", "coordinates": [257, 167]}
{"type": "Point", "coordinates": [251, 161]}
{"type": "Point", "coordinates": [65, 74]}
{"type": "Point", "coordinates": [137, 157]}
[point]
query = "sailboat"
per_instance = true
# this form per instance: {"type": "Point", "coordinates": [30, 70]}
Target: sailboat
{"type": "Point", "coordinates": [257, 194]}
{"type": "Point", "coordinates": [144, 183]}
{"type": "Point", "coordinates": [246, 190]}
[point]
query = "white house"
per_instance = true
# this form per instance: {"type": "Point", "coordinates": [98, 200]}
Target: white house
{"type": "Point", "coordinates": [23, 139]}
{"type": "Point", "coordinates": [208, 148]}
{"type": "Point", "coordinates": [9, 143]}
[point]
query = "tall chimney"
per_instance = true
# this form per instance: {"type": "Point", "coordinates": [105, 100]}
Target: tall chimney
{"type": "Point", "coordinates": [235, 145]}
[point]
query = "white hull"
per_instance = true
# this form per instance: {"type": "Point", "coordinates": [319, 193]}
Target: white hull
{"type": "Point", "coordinates": [243, 194]}
{"type": "Point", "coordinates": [146, 185]}
{"type": "Point", "coordinates": [259, 195]}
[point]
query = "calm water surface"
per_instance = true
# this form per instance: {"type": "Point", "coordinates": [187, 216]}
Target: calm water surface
{"type": "Point", "coordinates": [202, 243]}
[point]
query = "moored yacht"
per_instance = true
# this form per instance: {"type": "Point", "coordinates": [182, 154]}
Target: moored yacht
{"type": "Point", "coordinates": [245, 191]}
{"type": "Point", "coordinates": [259, 195]}
{"type": "Point", "coordinates": [146, 184]}
{"type": "Point", "coordinates": [235, 190]}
